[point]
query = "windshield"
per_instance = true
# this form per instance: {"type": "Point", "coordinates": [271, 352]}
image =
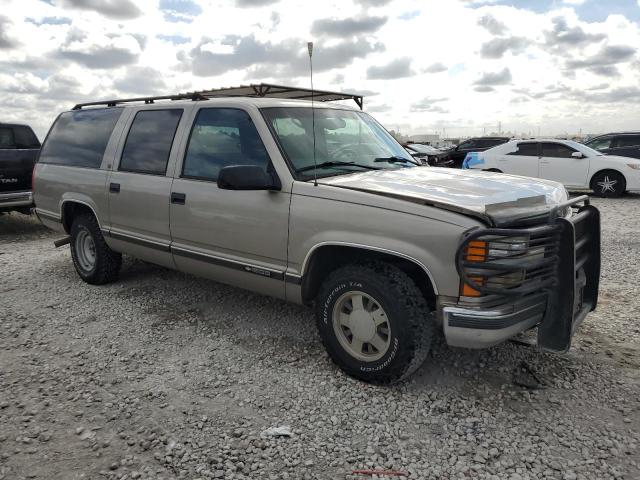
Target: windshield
{"type": "Point", "coordinates": [588, 151]}
{"type": "Point", "coordinates": [418, 147]}
{"type": "Point", "coordinates": [346, 141]}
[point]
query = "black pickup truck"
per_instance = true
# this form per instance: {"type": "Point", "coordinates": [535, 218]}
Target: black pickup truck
{"type": "Point", "coordinates": [19, 148]}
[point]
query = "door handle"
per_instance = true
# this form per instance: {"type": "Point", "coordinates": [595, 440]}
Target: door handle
{"type": "Point", "coordinates": [114, 187]}
{"type": "Point", "coordinates": [178, 198]}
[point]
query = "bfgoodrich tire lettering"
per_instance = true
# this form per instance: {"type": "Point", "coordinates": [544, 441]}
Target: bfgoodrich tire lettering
{"type": "Point", "coordinates": [92, 258]}
{"type": "Point", "coordinates": [409, 328]}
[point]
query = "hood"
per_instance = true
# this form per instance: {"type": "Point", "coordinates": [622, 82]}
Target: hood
{"type": "Point", "coordinates": [496, 198]}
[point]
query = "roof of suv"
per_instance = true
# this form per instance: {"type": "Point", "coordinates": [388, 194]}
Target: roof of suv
{"type": "Point", "coordinates": [2, 124]}
{"type": "Point", "coordinates": [253, 91]}
{"type": "Point", "coordinates": [616, 133]}
{"type": "Point", "coordinates": [257, 102]}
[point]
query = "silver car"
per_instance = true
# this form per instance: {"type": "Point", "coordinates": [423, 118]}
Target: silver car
{"type": "Point", "coordinates": [245, 191]}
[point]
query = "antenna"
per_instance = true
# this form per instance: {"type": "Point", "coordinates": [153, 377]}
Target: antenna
{"type": "Point", "coordinates": [313, 115]}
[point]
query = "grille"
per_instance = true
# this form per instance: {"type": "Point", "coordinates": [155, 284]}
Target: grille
{"type": "Point", "coordinates": [510, 261]}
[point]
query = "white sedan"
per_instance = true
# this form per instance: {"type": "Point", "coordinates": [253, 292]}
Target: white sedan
{"type": "Point", "coordinates": [570, 163]}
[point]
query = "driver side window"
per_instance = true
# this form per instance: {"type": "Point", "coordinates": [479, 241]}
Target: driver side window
{"type": "Point", "coordinates": [222, 137]}
{"type": "Point", "coordinates": [556, 150]}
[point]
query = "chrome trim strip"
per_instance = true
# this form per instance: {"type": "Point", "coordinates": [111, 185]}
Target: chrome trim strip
{"type": "Point", "coordinates": [375, 249]}
{"type": "Point", "coordinates": [49, 216]}
{"type": "Point", "coordinates": [225, 262]}
{"type": "Point", "coordinates": [293, 278]}
{"type": "Point", "coordinates": [163, 247]}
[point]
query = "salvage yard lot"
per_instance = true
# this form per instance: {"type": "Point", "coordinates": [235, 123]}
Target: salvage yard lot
{"type": "Point", "coordinates": [165, 375]}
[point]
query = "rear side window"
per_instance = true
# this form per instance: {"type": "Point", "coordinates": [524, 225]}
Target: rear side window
{"type": "Point", "coordinates": [6, 138]}
{"type": "Point", "coordinates": [556, 150]}
{"type": "Point", "coordinates": [79, 138]}
{"type": "Point", "coordinates": [526, 150]}
{"type": "Point", "coordinates": [25, 138]}
{"type": "Point", "coordinates": [222, 137]}
{"type": "Point", "coordinates": [628, 141]}
{"type": "Point", "coordinates": [149, 141]}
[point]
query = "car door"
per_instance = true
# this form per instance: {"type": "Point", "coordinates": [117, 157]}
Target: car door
{"type": "Point", "coordinates": [139, 187]}
{"type": "Point", "coordinates": [557, 163]}
{"type": "Point", "coordinates": [235, 237]}
{"type": "Point", "coordinates": [625, 146]}
{"type": "Point", "coordinates": [521, 161]}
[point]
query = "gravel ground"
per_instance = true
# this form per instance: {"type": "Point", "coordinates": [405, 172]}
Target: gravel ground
{"type": "Point", "coordinates": [163, 375]}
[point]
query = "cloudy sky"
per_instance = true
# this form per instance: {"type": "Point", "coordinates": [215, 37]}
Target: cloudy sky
{"type": "Point", "coordinates": [552, 66]}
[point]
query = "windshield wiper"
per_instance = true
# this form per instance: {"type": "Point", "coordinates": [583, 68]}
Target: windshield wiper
{"type": "Point", "coordinates": [336, 164]}
{"type": "Point", "coordinates": [394, 159]}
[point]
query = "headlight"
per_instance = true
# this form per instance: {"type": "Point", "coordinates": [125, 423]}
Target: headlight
{"type": "Point", "coordinates": [635, 166]}
{"type": "Point", "coordinates": [508, 247]}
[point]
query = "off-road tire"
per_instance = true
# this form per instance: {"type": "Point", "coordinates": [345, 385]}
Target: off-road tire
{"type": "Point", "coordinates": [406, 308]}
{"type": "Point", "coordinates": [107, 262]}
{"type": "Point", "coordinates": [606, 176]}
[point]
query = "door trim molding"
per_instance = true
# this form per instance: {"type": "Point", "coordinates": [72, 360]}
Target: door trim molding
{"type": "Point", "coordinates": [225, 262]}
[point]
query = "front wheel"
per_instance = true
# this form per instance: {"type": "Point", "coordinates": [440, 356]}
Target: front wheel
{"type": "Point", "coordinates": [608, 184]}
{"type": "Point", "coordinates": [374, 322]}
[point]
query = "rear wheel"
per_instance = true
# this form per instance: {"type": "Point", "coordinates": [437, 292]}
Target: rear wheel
{"type": "Point", "coordinates": [374, 322]}
{"type": "Point", "coordinates": [608, 184]}
{"type": "Point", "coordinates": [94, 261]}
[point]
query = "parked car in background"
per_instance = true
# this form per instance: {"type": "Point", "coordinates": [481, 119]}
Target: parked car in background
{"type": "Point", "coordinates": [19, 148]}
{"type": "Point", "coordinates": [622, 144]}
{"type": "Point", "coordinates": [479, 144]}
{"type": "Point", "coordinates": [571, 163]}
{"type": "Point", "coordinates": [428, 155]}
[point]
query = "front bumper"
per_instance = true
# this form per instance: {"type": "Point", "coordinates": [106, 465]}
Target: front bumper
{"type": "Point", "coordinates": [483, 327]}
{"type": "Point", "coordinates": [16, 200]}
{"type": "Point", "coordinates": [555, 289]}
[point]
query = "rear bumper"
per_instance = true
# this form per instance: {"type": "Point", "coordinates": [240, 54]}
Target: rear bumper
{"type": "Point", "coordinates": [15, 200]}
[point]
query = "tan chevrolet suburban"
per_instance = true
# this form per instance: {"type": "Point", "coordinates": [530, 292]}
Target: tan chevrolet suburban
{"type": "Point", "coordinates": [241, 190]}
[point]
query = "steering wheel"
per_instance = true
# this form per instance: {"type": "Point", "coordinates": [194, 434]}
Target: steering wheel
{"type": "Point", "coordinates": [344, 152]}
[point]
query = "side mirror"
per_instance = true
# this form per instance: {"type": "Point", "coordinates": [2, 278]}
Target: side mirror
{"type": "Point", "coordinates": [577, 155]}
{"type": "Point", "coordinates": [246, 177]}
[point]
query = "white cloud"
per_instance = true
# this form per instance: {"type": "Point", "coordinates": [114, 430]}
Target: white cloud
{"type": "Point", "coordinates": [510, 65]}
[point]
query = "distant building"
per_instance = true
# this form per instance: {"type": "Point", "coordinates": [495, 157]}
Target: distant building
{"type": "Point", "coordinates": [425, 138]}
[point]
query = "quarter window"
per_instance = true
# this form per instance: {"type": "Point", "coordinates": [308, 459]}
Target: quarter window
{"type": "Point", "coordinates": [79, 138]}
{"type": "Point", "coordinates": [526, 150]}
{"type": "Point", "coordinates": [628, 141]}
{"type": "Point", "coordinates": [222, 137]}
{"type": "Point", "coordinates": [149, 141]}
{"type": "Point", "coordinates": [556, 150]}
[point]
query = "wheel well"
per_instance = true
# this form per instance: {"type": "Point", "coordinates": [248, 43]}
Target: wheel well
{"type": "Point", "coordinates": [71, 210]}
{"type": "Point", "coordinates": [610, 170]}
{"type": "Point", "coordinates": [328, 258]}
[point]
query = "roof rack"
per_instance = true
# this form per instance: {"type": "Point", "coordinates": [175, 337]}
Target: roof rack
{"type": "Point", "coordinates": [253, 90]}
